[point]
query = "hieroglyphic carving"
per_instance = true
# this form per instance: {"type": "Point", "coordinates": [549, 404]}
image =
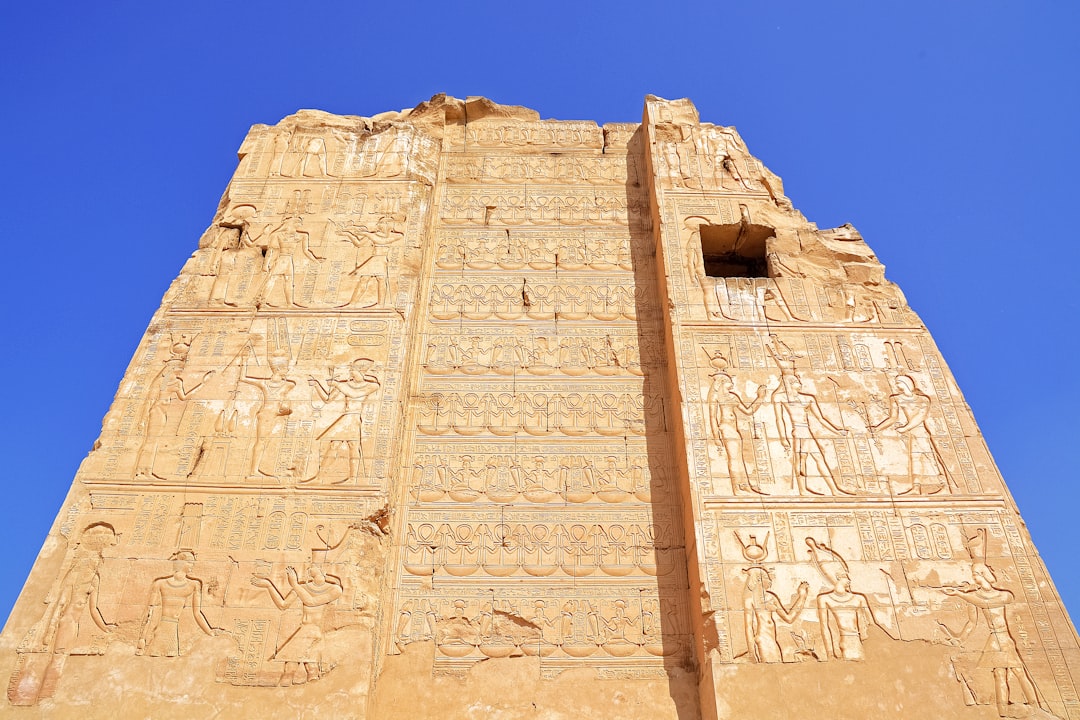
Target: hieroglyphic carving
{"type": "Point", "coordinates": [505, 549]}
{"type": "Point", "coordinates": [584, 249]}
{"type": "Point", "coordinates": [459, 376]}
{"type": "Point", "coordinates": [762, 607]}
{"type": "Point", "coordinates": [493, 430]}
{"type": "Point", "coordinates": [538, 353]}
{"type": "Point", "coordinates": [794, 410]}
{"type": "Point", "coordinates": [835, 437]}
{"type": "Point", "coordinates": [259, 402]}
{"type": "Point", "coordinates": [540, 169]}
{"type": "Point", "coordinates": [536, 413]}
{"type": "Point", "coordinates": [844, 615]}
{"type": "Point", "coordinates": [879, 578]}
{"type": "Point", "coordinates": [120, 606]}
{"type": "Point", "coordinates": [169, 596]}
{"type": "Point", "coordinates": [346, 431]}
{"type": "Point", "coordinates": [525, 135]}
{"type": "Point", "coordinates": [544, 205]}
{"type": "Point", "coordinates": [265, 254]}
{"type": "Point", "coordinates": [538, 298]}
{"type": "Point", "coordinates": [849, 439]}
{"type": "Point", "coordinates": [501, 478]}
{"type": "Point", "coordinates": [1015, 693]}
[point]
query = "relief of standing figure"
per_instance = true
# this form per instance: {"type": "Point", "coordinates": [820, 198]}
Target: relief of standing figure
{"type": "Point", "coordinates": [794, 408]}
{"type": "Point", "coordinates": [302, 651]}
{"type": "Point", "coordinates": [908, 410]}
{"type": "Point", "coordinates": [725, 404]}
{"type": "Point", "coordinates": [346, 431]}
{"type": "Point", "coordinates": [169, 596]}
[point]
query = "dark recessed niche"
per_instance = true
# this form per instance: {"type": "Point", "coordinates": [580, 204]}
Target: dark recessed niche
{"type": "Point", "coordinates": [736, 250]}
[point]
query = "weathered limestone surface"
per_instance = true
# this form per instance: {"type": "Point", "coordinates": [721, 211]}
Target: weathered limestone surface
{"type": "Point", "coordinates": [456, 412]}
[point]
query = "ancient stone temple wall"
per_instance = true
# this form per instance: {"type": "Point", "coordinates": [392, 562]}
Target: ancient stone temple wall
{"type": "Point", "coordinates": [456, 412]}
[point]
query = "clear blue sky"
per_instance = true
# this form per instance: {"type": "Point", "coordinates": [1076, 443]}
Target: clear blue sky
{"type": "Point", "coordinates": [946, 132]}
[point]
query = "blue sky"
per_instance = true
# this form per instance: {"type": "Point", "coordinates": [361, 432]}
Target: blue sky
{"type": "Point", "coordinates": [945, 132]}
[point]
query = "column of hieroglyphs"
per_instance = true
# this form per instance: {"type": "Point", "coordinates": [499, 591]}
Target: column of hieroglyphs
{"type": "Point", "coordinates": [845, 510]}
{"type": "Point", "coordinates": [228, 529]}
{"type": "Point", "coordinates": [540, 517]}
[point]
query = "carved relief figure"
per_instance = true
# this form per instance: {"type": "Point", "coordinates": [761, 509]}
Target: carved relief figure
{"type": "Point", "coordinates": [313, 161]}
{"type": "Point", "coordinates": [794, 408]}
{"type": "Point", "coordinates": [288, 243]}
{"type": "Point", "coordinates": [75, 598]}
{"type": "Point", "coordinates": [345, 432]}
{"type": "Point", "coordinates": [274, 407]}
{"type": "Point", "coordinates": [999, 655]}
{"type": "Point", "coordinates": [845, 615]}
{"type": "Point", "coordinates": [234, 255]}
{"type": "Point", "coordinates": [725, 405]}
{"type": "Point", "coordinates": [370, 270]}
{"type": "Point", "coordinates": [282, 140]}
{"type": "Point", "coordinates": [302, 650]}
{"type": "Point", "coordinates": [167, 403]}
{"type": "Point", "coordinates": [695, 265]}
{"type": "Point", "coordinates": [719, 144]}
{"type": "Point", "coordinates": [908, 409]}
{"type": "Point", "coordinates": [168, 597]}
{"type": "Point", "coordinates": [761, 606]}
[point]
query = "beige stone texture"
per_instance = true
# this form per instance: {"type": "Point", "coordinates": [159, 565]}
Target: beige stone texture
{"type": "Point", "coordinates": [460, 413]}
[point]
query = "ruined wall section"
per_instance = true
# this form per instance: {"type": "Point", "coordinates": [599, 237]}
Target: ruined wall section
{"type": "Point", "coordinates": [457, 411]}
{"type": "Point", "coordinates": [847, 519]}
{"type": "Point", "coordinates": [538, 526]}
{"type": "Point", "coordinates": [228, 533]}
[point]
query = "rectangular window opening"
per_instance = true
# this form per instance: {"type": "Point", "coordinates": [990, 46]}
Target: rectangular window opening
{"type": "Point", "coordinates": [735, 250]}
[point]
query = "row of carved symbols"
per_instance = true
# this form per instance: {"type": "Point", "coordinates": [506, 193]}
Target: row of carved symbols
{"type": "Point", "coordinates": [539, 252]}
{"type": "Point", "coordinates": [535, 355]}
{"type": "Point", "coordinates": [539, 301]}
{"type": "Point", "coordinates": [501, 479]}
{"type": "Point", "coordinates": [522, 206]}
{"type": "Point", "coordinates": [540, 414]}
{"type": "Point", "coordinates": [524, 133]}
{"type": "Point", "coordinates": [538, 550]}
{"type": "Point", "coordinates": [606, 170]}
{"type": "Point", "coordinates": [575, 628]}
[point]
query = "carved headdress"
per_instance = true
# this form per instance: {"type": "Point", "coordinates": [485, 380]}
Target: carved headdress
{"type": "Point", "coordinates": [827, 561]}
{"type": "Point", "coordinates": [976, 546]}
{"type": "Point", "coordinates": [753, 551]}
